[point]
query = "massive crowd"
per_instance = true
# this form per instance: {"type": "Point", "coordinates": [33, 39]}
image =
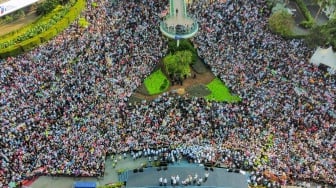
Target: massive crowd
{"type": "Point", "coordinates": [64, 106]}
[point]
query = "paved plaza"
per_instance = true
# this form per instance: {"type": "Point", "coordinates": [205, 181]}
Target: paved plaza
{"type": "Point", "coordinates": [179, 18]}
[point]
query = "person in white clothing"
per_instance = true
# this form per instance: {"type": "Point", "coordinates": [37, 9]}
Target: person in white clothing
{"type": "Point", "coordinates": [160, 181]}
{"type": "Point", "coordinates": [177, 179]}
{"type": "Point", "coordinates": [206, 176]}
{"type": "Point", "coordinates": [165, 181]}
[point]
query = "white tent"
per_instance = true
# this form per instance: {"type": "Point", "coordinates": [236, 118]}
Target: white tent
{"type": "Point", "coordinates": [324, 56]}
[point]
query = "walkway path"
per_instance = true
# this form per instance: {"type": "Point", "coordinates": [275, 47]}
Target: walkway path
{"type": "Point", "coordinates": [178, 13]}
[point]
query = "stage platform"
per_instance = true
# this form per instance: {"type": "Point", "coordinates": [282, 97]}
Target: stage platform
{"type": "Point", "coordinates": [219, 177]}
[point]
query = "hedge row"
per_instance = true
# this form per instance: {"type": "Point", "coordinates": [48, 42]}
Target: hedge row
{"type": "Point", "coordinates": [309, 22]}
{"type": "Point", "coordinates": [58, 27]}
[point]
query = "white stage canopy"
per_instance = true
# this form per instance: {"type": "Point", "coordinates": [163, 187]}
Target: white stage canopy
{"type": "Point", "coordinates": [324, 56]}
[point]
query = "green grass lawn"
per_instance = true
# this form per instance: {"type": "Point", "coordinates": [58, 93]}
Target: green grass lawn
{"type": "Point", "coordinates": [156, 83]}
{"type": "Point", "coordinates": [220, 93]}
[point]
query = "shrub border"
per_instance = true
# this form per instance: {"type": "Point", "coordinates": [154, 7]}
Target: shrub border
{"type": "Point", "coordinates": [29, 44]}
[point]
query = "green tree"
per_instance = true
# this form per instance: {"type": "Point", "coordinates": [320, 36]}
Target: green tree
{"type": "Point", "coordinates": [281, 22]}
{"type": "Point", "coordinates": [47, 6]}
{"type": "Point", "coordinates": [184, 57]}
{"type": "Point", "coordinates": [170, 63]}
{"type": "Point", "coordinates": [179, 63]}
{"type": "Point", "coordinates": [184, 45]}
{"type": "Point", "coordinates": [324, 35]}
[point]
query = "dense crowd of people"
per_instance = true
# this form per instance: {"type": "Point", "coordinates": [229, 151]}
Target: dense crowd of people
{"type": "Point", "coordinates": [281, 91]}
{"type": "Point", "coordinates": [64, 106]}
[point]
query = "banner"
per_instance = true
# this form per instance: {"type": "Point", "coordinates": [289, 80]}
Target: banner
{"type": "Point", "coordinates": [14, 5]}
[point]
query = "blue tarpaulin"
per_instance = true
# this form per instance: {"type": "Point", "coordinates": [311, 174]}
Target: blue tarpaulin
{"type": "Point", "coordinates": [82, 184]}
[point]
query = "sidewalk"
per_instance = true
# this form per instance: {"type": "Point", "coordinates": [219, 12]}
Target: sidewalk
{"type": "Point", "coordinates": [179, 18]}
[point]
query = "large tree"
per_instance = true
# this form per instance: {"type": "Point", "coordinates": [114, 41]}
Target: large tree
{"type": "Point", "coordinates": [179, 63]}
{"type": "Point", "coordinates": [170, 64]}
{"type": "Point", "coordinates": [281, 22]}
{"type": "Point", "coordinates": [324, 35]}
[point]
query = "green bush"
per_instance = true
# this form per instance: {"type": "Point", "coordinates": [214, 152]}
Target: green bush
{"type": "Point", "coordinates": [8, 19]}
{"type": "Point", "coordinates": [30, 43]}
{"type": "Point", "coordinates": [83, 23]}
{"type": "Point", "coordinates": [11, 51]}
{"type": "Point", "coordinates": [281, 23]}
{"type": "Point", "coordinates": [46, 36]}
{"type": "Point", "coordinates": [322, 35]}
{"type": "Point", "coordinates": [307, 24]}
{"type": "Point", "coordinates": [12, 17]}
{"type": "Point", "coordinates": [179, 63]}
{"type": "Point", "coordinates": [73, 14]}
{"type": "Point", "coordinates": [306, 13]}
{"type": "Point", "coordinates": [62, 24]}
{"type": "Point", "coordinates": [46, 7]}
{"type": "Point", "coordinates": [184, 45]}
{"type": "Point", "coordinates": [19, 14]}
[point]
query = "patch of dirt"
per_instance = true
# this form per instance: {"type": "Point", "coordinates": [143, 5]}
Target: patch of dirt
{"type": "Point", "coordinates": [199, 66]}
{"type": "Point", "coordinates": [142, 89]}
{"type": "Point", "coordinates": [194, 85]}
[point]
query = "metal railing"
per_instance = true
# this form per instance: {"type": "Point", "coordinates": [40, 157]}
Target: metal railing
{"type": "Point", "coordinates": [172, 29]}
{"type": "Point", "coordinates": [184, 8]}
{"type": "Point", "coordinates": [171, 8]}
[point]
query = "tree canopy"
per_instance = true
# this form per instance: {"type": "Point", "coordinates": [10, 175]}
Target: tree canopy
{"type": "Point", "coordinates": [178, 63]}
{"type": "Point", "coordinates": [324, 35]}
{"type": "Point", "coordinates": [281, 22]}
